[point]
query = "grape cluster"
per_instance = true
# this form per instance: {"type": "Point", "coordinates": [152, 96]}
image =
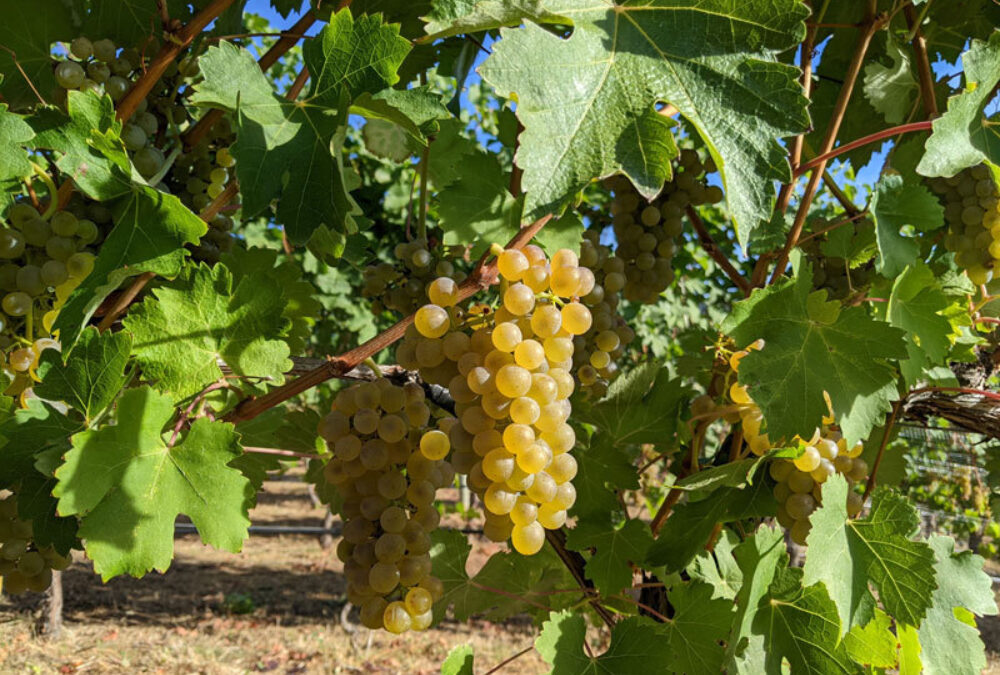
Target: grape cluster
{"type": "Point", "coordinates": [800, 481]}
{"type": "Point", "coordinates": [972, 211]}
{"type": "Point", "coordinates": [509, 372]}
{"type": "Point", "coordinates": [647, 231]}
{"type": "Point", "coordinates": [23, 566]}
{"type": "Point", "coordinates": [841, 277]}
{"type": "Point", "coordinates": [42, 260]}
{"type": "Point", "coordinates": [387, 471]}
{"type": "Point", "coordinates": [596, 353]}
{"type": "Point", "coordinates": [402, 286]}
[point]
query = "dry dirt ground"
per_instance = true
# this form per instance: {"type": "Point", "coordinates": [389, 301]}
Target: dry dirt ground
{"type": "Point", "coordinates": [189, 620]}
{"type": "Point", "coordinates": [275, 608]}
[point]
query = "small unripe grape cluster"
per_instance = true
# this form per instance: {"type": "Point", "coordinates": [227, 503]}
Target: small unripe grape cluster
{"type": "Point", "coordinates": [387, 470]}
{"type": "Point", "coordinates": [800, 481]}
{"type": "Point", "coordinates": [647, 232]}
{"type": "Point", "coordinates": [972, 211]}
{"type": "Point", "coordinates": [596, 353]}
{"type": "Point", "coordinates": [23, 566]}
{"type": "Point", "coordinates": [509, 372]}
{"type": "Point", "coordinates": [401, 286]}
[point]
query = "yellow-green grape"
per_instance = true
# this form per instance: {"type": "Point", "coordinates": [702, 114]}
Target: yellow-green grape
{"type": "Point", "coordinates": [528, 539]}
{"type": "Point", "coordinates": [24, 566]}
{"type": "Point", "coordinates": [431, 321]}
{"type": "Point", "coordinates": [972, 210]}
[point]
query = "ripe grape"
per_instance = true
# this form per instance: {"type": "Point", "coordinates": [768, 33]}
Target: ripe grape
{"type": "Point", "coordinates": [387, 468]}
{"type": "Point", "coordinates": [23, 565]}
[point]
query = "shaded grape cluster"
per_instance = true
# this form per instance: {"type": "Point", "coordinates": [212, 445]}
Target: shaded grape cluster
{"type": "Point", "coordinates": [597, 352]}
{"type": "Point", "coordinates": [800, 480]}
{"type": "Point", "coordinates": [23, 565]}
{"type": "Point", "coordinates": [401, 285]}
{"type": "Point", "coordinates": [42, 260]}
{"type": "Point", "coordinates": [387, 470]}
{"type": "Point", "coordinates": [972, 211]}
{"type": "Point", "coordinates": [647, 231]}
{"type": "Point", "coordinates": [509, 370]}
{"type": "Point", "coordinates": [153, 136]}
{"type": "Point", "coordinates": [842, 277]}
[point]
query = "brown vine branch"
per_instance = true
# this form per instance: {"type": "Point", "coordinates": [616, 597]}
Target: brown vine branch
{"type": "Point", "coordinates": [840, 195]}
{"type": "Point", "coordinates": [924, 125]}
{"type": "Point", "coordinates": [124, 300]}
{"type": "Point", "coordinates": [171, 48]}
{"type": "Point", "coordinates": [924, 72]}
{"type": "Point", "coordinates": [509, 659]}
{"type": "Point", "coordinates": [873, 23]}
{"type": "Point", "coordinates": [575, 563]}
{"type": "Point", "coordinates": [890, 421]}
{"type": "Point", "coordinates": [483, 276]}
{"type": "Point", "coordinates": [713, 250]}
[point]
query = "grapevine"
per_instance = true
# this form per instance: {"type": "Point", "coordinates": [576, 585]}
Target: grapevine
{"type": "Point", "coordinates": [618, 318]}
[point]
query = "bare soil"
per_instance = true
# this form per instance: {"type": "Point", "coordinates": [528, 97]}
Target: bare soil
{"type": "Point", "coordinates": [276, 607]}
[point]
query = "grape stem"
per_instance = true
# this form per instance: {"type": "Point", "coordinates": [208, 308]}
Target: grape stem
{"type": "Point", "coordinates": [424, 169]}
{"type": "Point", "coordinates": [124, 299]}
{"type": "Point", "coordinates": [713, 250]}
{"type": "Point", "coordinates": [51, 186]}
{"type": "Point", "coordinates": [890, 421]}
{"type": "Point", "coordinates": [509, 659]}
{"type": "Point", "coordinates": [924, 73]}
{"type": "Point", "coordinates": [575, 563]}
{"type": "Point", "coordinates": [872, 24]}
{"type": "Point", "coordinates": [924, 125]}
{"type": "Point", "coordinates": [483, 276]}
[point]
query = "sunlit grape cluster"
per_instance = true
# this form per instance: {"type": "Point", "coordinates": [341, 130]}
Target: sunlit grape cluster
{"type": "Point", "coordinates": [401, 286]}
{"type": "Point", "coordinates": [800, 480]}
{"type": "Point", "coordinates": [646, 232]}
{"type": "Point", "coordinates": [509, 372]}
{"type": "Point", "coordinates": [596, 353]}
{"type": "Point", "coordinates": [972, 211]}
{"type": "Point", "coordinates": [387, 470]}
{"type": "Point", "coordinates": [23, 566]}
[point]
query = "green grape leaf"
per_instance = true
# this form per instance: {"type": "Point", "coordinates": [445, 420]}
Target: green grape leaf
{"type": "Point", "coordinates": [690, 525]}
{"type": "Point", "coordinates": [563, 232]}
{"type": "Point", "coordinates": [759, 557]}
{"type": "Point", "coordinates": [953, 24]}
{"type": "Point", "coordinates": [847, 555]}
{"type": "Point", "coordinates": [299, 302]}
{"type": "Point", "coordinates": [508, 583]}
{"type": "Point", "coordinates": [27, 31]}
{"type": "Point", "coordinates": [873, 644]}
{"type": "Point", "coordinates": [461, 661]}
{"type": "Point", "coordinates": [644, 405]}
{"type": "Point", "coordinates": [812, 345]}
{"type": "Point", "coordinates": [477, 209]}
{"type": "Point", "coordinates": [451, 150]}
{"type": "Point", "coordinates": [601, 465]}
{"type": "Point", "coordinates": [454, 17]}
{"type": "Point", "coordinates": [286, 7]}
{"type": "Point", "coordinates": [92, 374]}
{"type": "Point", "coordinates": [917, 305]}
{"type": "Point", "coordinates": [386, 140]}
{"type": "Point", "coordinates": [128, 23]}
{"type": "Point", "coordinates": [715, 62]}
{"type": "Point", "coordinates": [89, 143]}
{"type": "Point", "coordinates": [800, 623]}
{"type": "Point", "coordinates": [963, 136]}
{"type": "Point", "coordinates": [181, 330]}
{"type": "Point", "coordinates": [415, 112]}
{"type": "Point", "coordinates": [36, 503]}
{"type": "Point", "coordinates": [896, 204]}
{"type": "Point", "coordinates": [292, 151]}
{"type": "Point", "coordinates": [698, 627]}
{"type": "Point", "coordinates": [14, 133]}
{"type": "Point", "coordinates": [637, 646]}
{"type": "Point", "coordinates": [151, 229]}
{"type": "Point", "coordinates": [891, 89]}
{"type": "Point", "coordinates": [731, 474]}
{"type": "Point", "coordinates": [609, 566]}
{"type": "Point", "coordinates": [31, 431]}
{"type": "Point", "coordinates": [949, 640]}
{"type": "Point", "coordinates": [718, 567]}
{"type": "Point", "coordinates": [128, 485]}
